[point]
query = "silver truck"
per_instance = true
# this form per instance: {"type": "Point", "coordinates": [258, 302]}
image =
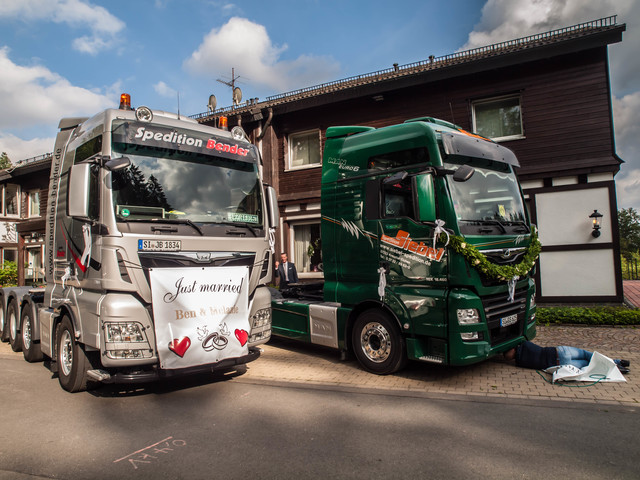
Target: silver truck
{"type": "Point", "coordinates": [159, 244]}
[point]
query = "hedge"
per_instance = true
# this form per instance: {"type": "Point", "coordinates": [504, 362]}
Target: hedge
{"type": "Point", "coordinates": [588, 315]}
{"type": "Point", "coordinates": [8, 274]}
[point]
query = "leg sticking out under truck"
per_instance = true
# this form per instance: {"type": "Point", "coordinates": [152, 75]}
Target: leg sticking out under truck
{"type": "Point", "coordinates": [157, 251]}
{"type": "Point", "coordinates": [427, 250]}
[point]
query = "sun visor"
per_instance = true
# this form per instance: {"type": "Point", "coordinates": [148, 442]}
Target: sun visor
{"type": "Point", "coordinates": [469, 145]}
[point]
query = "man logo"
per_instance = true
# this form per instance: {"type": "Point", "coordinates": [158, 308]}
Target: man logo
{"type": "Point", "coordinates": [203, 256]}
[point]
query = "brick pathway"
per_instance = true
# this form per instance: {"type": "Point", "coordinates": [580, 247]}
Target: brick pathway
{"type": "Point", "coordinates": [292, 363]}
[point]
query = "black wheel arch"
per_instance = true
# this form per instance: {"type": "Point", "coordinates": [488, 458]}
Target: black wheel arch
{"type": "Point", "coordinates": [64, 311]}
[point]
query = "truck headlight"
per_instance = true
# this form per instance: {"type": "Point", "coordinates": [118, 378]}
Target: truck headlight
{"type": "Point", "coordinates": [469, 336]}
{"type": "Point", "coordinates": [124, 332]}
{"type": "Point", "coordinates": [468, 316]}
{"type": "Point", "coordinates": [261, 318]}
{"type": "Point", "coordinates": [126, 340]}
{"type": "Point", "coordinates": [260, 326]}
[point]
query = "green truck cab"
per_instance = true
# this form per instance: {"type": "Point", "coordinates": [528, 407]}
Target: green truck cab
{"type": "Point", "coordinates": [427, 249]}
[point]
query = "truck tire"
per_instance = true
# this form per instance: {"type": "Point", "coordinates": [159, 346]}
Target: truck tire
{"type": "Point", "coordinates": [4, 329]}
{"type": "Point", "coordinates": [13, 324]}
{"type": "Point", "coordinates": [73, 362]}
{"type": "Point", "coordinates": [377, 343]}
{"type": "Point", "coordinates": [30, 349]}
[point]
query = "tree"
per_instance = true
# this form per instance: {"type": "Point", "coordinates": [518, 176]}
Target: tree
{"type": "Point", "coordinates": [5, 162]}
{"type": "Point", "coordinates": [629, 226]}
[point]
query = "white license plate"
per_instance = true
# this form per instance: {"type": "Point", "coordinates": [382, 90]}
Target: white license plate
{"type": "Point", "coordinates": [159, 245]}
{"type": "Point", "coordinates": [510, 320]}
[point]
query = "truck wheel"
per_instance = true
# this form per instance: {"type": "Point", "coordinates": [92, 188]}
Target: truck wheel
{"type": "Point", "coordinates": [30, 350]}
{"type": "Point", "coordinates": [12, 324]}
{"type": "Point", "coordinates": [71, 357]}
{"type": "Point", "coordinates": [377, 343]}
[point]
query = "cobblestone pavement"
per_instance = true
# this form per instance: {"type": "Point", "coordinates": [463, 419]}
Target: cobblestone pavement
{"type": "Point", "coordinates": [293, 363]}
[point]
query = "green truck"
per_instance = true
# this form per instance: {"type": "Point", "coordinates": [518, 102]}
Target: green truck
{"type": "Point", "coordinates": [427, 249]}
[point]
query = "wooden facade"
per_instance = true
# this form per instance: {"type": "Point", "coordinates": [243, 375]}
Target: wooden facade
{"type": "Point", "coordinates": [23, 239]}
{"type": "Point", "coordinates": [566, 147]}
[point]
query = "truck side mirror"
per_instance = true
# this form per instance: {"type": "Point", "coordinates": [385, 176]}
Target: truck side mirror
{"type": "Point", "coordinates": [423, 186]}
{"type": "Point", "coordinates": [116, 164]}
{"type": "Point", "coordinates": [78, 190]}
{"type": "Point", "coordinates": [272, 206]}
{"type": "Point", "coordinates": [463, 173]}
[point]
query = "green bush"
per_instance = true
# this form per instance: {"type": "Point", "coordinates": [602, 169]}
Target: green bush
{"type": "Point", "coordinates": [588, 316]}
{"type": "Point", "coordinates": [8, 274]}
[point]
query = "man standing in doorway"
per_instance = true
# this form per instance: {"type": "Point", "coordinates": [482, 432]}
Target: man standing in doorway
{"type": "Point", "coordinates": [286, 271]}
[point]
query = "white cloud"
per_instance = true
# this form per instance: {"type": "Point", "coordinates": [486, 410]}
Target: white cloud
{"type": "Point", "coordinates": [19, 149]}
{"type": "Point", "coordinates": [626, 116]}
{"type": "Point", "coordinates": [33, 96]}
{"type": "Point", "coordinates": [165, 90]}
{"type": "Point", "coordinates": [74, 13]}
{"type": "Point", "coordinates": [246, 46]}
{"type": "Point", "coordinates": [508, 19]}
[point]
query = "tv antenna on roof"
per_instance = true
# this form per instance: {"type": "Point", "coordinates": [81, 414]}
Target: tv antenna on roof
{"type": "Point", "coordinates": [236, 93]}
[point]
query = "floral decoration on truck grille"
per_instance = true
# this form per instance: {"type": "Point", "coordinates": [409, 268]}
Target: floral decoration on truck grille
{"type": "Point", "coordinates": [480, 262]}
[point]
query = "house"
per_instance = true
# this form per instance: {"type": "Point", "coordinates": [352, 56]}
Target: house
{"type": "Point", "coordinates": [547, 97]}
{"type": "Point", "coordinates": [24, 190]}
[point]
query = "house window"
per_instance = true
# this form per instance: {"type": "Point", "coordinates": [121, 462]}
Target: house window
{"type": "Point", "coordinates": [304, 150]}
{"type": "Point", "coordinates": [498, 118]}
{"type": "Point", "coordinates": [11, 200]}
{"type": "Point", "coordinates": [306, 247]}
{"type": "Point", "coordinates": [9, 255]}
{"type": "Point", "coordinates": [34, 203]}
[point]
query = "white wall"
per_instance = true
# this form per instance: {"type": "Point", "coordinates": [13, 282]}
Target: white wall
{"type": "Point", "coordinates": [563, 219]}
{"type": "Point", "coordinates": [577, 273]}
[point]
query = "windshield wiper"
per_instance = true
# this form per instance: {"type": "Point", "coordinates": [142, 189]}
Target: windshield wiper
{"type": "Point", "coordinates": [179, 221]}
{"type": "Point", "coordinates": [239, 224]}
{"type": "Point", "coordinates": [487, 222]}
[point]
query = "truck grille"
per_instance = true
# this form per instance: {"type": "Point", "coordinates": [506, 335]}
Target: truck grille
{"type": "Point", "coordinates": [192, 259]}
{"type": "Point", "coordinates": [497, 307]}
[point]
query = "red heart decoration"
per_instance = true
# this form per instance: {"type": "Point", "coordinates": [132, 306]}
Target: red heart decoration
{"type": "Point", "coordinates": [242, 336]}
{"type": "Point", "coordinates": [180, 347]}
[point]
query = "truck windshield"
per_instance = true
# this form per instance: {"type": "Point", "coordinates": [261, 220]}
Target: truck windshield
{"type": "Point", "coordinates": [490, 201]}
{"type": "Point", "coordinates": [164, 184]}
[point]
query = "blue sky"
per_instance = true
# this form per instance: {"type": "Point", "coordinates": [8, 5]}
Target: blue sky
{"type": "Point", "coordinates": [74, 57]}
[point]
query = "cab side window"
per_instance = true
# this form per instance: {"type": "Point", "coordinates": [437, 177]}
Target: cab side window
{"type": "Point", "coordinates": [398, 199]}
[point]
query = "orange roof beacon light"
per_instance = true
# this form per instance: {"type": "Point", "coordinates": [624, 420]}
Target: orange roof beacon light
{"type": "Point", "coordinates": [125, 101]}
{"type": "Point", "coordinates": [223, 123]}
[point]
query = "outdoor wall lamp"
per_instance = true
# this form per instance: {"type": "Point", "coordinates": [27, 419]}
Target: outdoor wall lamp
{"type": "Point", "coordinates": [595, 217]}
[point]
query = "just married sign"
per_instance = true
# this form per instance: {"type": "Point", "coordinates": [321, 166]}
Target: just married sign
{"type": "Point", "coordinates": [201, 314]}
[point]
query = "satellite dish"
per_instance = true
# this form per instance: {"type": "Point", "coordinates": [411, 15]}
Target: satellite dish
{"type": "Point", "coordinates": [212, 103]}
{"type": "Point", "coordinates": [237, 95]}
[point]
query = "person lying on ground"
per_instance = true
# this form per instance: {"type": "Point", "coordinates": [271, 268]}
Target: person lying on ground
{"type": "Point", "coordinates": [530, 355]}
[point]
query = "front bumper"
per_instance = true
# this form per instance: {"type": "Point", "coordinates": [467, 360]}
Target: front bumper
{"type": "Point", "coordinates": [156, 373]}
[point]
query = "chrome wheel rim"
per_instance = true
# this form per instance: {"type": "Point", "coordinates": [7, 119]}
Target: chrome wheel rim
{"type": "Point", "coordinates": [66, 353]}
{"type": "Point", "coordinates": [376, 342]}
{"type": "Point", "coordinates": [26, 332]}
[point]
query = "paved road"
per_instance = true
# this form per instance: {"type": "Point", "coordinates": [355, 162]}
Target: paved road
{"type": "Point", "coordinates": [236, 427]}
